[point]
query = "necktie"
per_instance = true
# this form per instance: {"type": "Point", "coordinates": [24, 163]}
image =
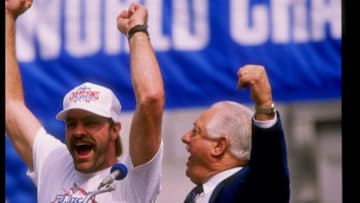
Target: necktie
{"type": "Point", "coordinates": [190, 198]}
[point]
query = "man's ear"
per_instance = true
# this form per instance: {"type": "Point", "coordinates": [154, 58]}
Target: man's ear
{"type": "Point", "coordinates": [115, 130]}
{"type": "Point", "coordinates": [220, 146]}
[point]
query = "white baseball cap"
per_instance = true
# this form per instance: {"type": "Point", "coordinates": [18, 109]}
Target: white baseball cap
{"type": "Point", "coordinates": [94, 98]}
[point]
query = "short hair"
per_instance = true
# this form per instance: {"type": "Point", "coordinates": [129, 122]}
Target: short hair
{"type": "Point", "coordinates": [118, 143]}
{"type": "Point", "coordinates": [118, 146]}
{"type": "Point", "coordinates": [234, 121]}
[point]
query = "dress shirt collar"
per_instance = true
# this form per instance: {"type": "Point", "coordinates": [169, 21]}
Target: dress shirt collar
{"type": "Point", "coordinates": [210, 185]}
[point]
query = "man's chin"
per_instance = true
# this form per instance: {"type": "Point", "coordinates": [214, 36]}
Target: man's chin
{"type": "Point", "coordinates": [82, 166]}
{"type": "Point", "coordinates": [188, 172]}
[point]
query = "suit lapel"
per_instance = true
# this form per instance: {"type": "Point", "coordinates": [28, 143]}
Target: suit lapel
{"type": "Point", "coordinates": [238, 177]}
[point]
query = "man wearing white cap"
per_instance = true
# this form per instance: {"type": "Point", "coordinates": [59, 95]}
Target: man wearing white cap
{"type": "Point", "coordinates": [79, 170]}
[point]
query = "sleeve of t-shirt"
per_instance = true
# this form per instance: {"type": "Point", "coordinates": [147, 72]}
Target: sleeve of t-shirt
{"type": "Point", "coordinates": [44, 144]}
{"type": "Point", "coordinates": [144, 180]}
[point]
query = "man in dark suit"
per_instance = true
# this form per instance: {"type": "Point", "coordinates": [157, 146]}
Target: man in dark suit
{"type": "Point", "coordinates": [237, 155]}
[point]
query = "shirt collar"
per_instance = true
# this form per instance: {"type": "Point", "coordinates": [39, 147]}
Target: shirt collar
{"type": "Point", "coordinates": [210, 185]}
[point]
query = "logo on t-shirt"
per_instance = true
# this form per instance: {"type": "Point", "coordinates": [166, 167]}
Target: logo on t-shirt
{"type": "Point", "coordinates": [75, 194]}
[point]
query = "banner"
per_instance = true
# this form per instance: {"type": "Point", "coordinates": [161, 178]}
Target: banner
{"type": "Point", "coordinates": [200, 45]}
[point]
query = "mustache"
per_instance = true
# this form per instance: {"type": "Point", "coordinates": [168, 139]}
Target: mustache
{"type": "Point", "coordinates": [84, 139]}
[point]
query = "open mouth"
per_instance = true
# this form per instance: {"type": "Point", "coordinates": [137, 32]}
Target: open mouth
{"type": "Point", "coordinates": [83, 149]}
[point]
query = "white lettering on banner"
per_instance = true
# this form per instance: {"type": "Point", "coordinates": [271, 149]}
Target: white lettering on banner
{"type": "Point", "coordinates": [39, 26]}
{"type": "Point", "coordinates": [190, 33]}
{"type": "Point", "coordinates": [112, 39]}
{"type": "Point", "coordinates": [241, 15]}
{"type": "Point", "coordinates": [300, 24]}
{"type": "Point", "coordinates": [156, 17]}
{"type": "Point", "coordinates": [83, 28]}
{"type": "Point", "coordinates": [325, 12]}
{"type": "Point", "coordinates": [250, 24]}
{"type": "Point", "coordinates": [49, 31]}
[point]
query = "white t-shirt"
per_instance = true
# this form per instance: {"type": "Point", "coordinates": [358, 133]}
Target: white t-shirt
{"type": "Point", "coordinates": [58, 182]}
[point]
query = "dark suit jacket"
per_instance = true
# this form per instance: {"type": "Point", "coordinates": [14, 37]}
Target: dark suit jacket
{"type": "Point", "coordinates": [266, 178]}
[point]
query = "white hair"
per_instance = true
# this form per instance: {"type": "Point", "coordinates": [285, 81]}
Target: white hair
{"type": "Point", "coordinates": [234, 121]}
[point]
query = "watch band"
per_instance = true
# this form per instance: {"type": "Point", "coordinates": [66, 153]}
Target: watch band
{"type": "Point", "coordinates": [267, 110]}
{"type": "Point", "coordinates": [138, 28]}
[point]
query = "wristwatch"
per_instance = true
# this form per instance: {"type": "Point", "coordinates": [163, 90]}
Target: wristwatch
{"type": "Point", "coordinates": [266, 110]}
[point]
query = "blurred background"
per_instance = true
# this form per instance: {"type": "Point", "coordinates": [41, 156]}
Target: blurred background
{"type": "Point", "coordinates": [200, 46]}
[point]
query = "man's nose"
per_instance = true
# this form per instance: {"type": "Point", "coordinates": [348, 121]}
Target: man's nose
{"type": "Point", "coordinates": [79, 130]}
{"type": "Point", "coordinates": [185, 138]}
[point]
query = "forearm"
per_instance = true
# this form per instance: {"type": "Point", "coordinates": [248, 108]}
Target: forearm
{"type": "Point", "coordinates": [149, 91]}
{"type": "Point", "coordinates": [13, 84]}
{"type": "Point", "coordinates": [145, 71]}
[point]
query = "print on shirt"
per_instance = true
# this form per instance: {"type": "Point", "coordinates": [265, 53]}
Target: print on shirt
{"type": "Point", "coordinates": [76, 194]}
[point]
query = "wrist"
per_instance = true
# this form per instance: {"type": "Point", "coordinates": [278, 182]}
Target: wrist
{"type": "Point", "coordinates": [265, 111]}
{"type": "Point", "coordinates": [137, 28]}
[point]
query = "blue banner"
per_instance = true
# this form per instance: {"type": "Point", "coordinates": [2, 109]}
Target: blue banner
{"type": "Point", "coordinates": [200, 45]}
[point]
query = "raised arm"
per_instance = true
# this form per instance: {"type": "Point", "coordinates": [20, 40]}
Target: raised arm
{"type": "Point", "coordinates": [268, 152]}
{"type": "Point", "coordinates": [255, 77]}
{"type": "Point", "coordinates": [145, 132]}
{"type": "Point", "coordinates": [20, 124]}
